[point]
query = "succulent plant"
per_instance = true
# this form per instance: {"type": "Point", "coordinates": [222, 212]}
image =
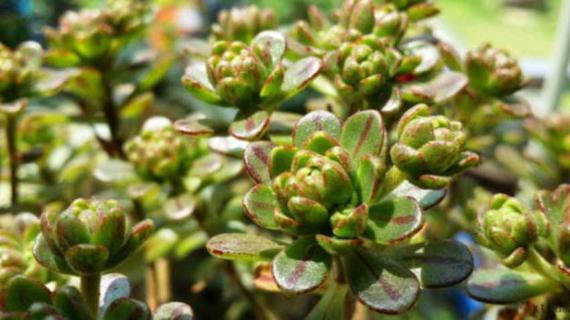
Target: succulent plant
{"type": "Point", "coordinates": [553, 133]}
{"type": "Point", "coordinates": [88, 238]}
{"type": "Point", "coordinates": [243, 24]}
{"type": "Point", "coordinates": [329, 189]}
{"type": "Point", "coordinates": [430, 149]}
{"type": "Point", "coordinates": [509, 229]}
{"type": "Point", "coordinates": [493, 72]}
{"type": "Point", "coordinates": [161, 154]}
{"type": "Point", "coordinates": [415, 9]}
{"type": "Point", "coordinates": [250, 77]}
{"type": "Point", "coordinates": [19, 71]}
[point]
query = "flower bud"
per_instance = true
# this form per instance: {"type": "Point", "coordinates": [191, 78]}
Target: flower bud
{"type": "Point", "coordinates": [430, 149]}
{"type": "Point", "coordinates": [493, 71]}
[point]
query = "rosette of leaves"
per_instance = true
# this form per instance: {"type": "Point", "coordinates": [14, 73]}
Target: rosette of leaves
{"type": "Point", "coordinates": [543, 233]}
{"type": "Point", "coordinates": [91, 36]}
{"type": "Point", "coordinates": [430, 150]}
{"type": "Point", "coordinates": [17, 235]}
{"type": "Point", "coordinates": [329, 191]}
{"type": "Point", "coordinates": [553, 134]}
{"type": "Point", "coordinates": [255, 79]}
{"type": "Point", "coordinates": [243, 24]}
{"type": "Point", "coordinates": [161, 154]}
{"type": "Point", "coordinates": [88, 238]}
{"type": "Point", "coordinates": [25, 298]}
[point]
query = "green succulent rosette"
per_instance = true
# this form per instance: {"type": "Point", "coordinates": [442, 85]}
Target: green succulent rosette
{"type": "Point", "coordinates": [430, 149]}
{"type": "Point", "coordinates": [509, 228]}
{"type": "Point", "coordinates": [17, 235]}
{"type": "Point", "coordinates": [493, 71]}
{"type": "Point", "coordinates": [251, 77]}
{"type": "Point", "coordinates": [553, 133]}
{"type": "Point", "coordinates": [88, 238]}
{"type": "Point", "coordinates": [243, 24]}
{"type": "Point", "coordinates": [19, 71]}
{"type": "Point", "coordinates": [329, 191]}
{"type": "Point", "coordinates": [161, 154]}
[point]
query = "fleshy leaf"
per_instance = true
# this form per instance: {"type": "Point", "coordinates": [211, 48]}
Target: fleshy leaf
{"type": "Point", "coordinates": [300, 74]}
{"type": "Point", "coordinates": [256, 159]}
{"type": "Point", "coordinates": [194, 127]}
{"type": "Point", "coordinates": [393, 220]}
{"type": "Point", "coordinates": [371, 174]}
{"type": "Point", "coordinates": [174, 311]}
{"type": "Point", "coordinates": [242, 246]}
{"type": "Point", "coordinates": [228, 146]}
{"type": "Point", "coordinates": [506, 286]}
{"type": "Point", "coordinates": [442, 264]}
{"type": "Point", "coordinates": [179, 208]}
{"type": "Point", "coordinates": [314, 122]}
{"type": "Point", "coordinates": [87, 258]}
{"type": "Point", "coordinates": [70, 303]}
{"type": "Point", "coordinates": [273, 42]}
{"type": "Point", "coordinates": [113, 287]}
{"type": "Point", "coordinates": [426, 198]}
{"type": "Point", "coordinates": [160, 244]}
{"type": "Point", "coordinates": [302, 267]}
{"type": "Point", "coordinates": [259, 204]}
{"type": "Point", "coordinates": [43, 254]}
{"type": "Point", "coordinates": [363, 134]}
{"type": "Point", "coordinates": [196, 81]}
{"type": "Point", "coordinates": [380, 284]}
{"type": "Point", "coordinates": [21, 292]}
{"type": "Point", "coordinates": [251, 128]}
{"type": "Point", "coordinates": [127, 308]}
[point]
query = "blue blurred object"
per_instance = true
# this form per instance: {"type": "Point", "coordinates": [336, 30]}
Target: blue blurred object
{"type": "Point", "coordinates": [466, 306]}
{"type": "Point", "coordinates": [24, 7]}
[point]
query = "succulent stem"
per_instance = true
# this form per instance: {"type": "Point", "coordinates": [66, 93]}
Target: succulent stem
{"type": "Point", "coordinates": [543, 267]}
{"type": "Point", "coordinates": [113, 119]}
{"type": "Point", "coordinates": [90, 286]}
{"type": "Point", "coordinates": [11, 143]}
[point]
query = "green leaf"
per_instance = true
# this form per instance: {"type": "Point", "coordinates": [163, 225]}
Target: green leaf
{"type": "Point", "coordinates": [160, 244]}
{"type": "Point", "coordinates": [331, 305]}
{"type": "Point", "coordinates": [115, 171]}
{"type": "Point", "coordinates": [137, 106]}
{"type": "Point", "coordinates": [438, 90]}
{"type": "Point", "coordinates": [379, 283]}
{"type": "Point", "coordinates": [242, 246]}
{"type": "Point", "coordinates": [259, 203]}
{"type": "Point", "coordinates": [363, 134]}
{"type": "Point", "coordinates": [174, 311]}
{"type": "Point", "coordinates": [302, 267]}
{"type": "Point", "coordinates": [114, 286]}
{"type": "Point", "coordinates": [194, 127]}
{"type": "Point", "coordinates": [426, 198]}
{"type": "Point", "coordinates": [43, 254]}
{"type": "Point", "coordinates": [179, 208]}
{"type": "Point", "coordinates": [273, 42]}
{"type": "Point", "coordinates": [42, 311]}
{"type": "Point", "coordinates": [300, 74]}
{"type": "Point", "coordinates": [393, 220]}
{"type": "Point", "coordinates": [87, 259]}
{"type": "Point", "coordinates": [127, 308]}
{"type": "Point", "coordinates": [505, 286]}
{"type": "Point", "coordinates": [138, 235]}
{"type": "Point", "coordinates": [445, 263]}
{"type": "Point", "coordinates": [196, 81]}
{"type": "Point", "coordinates": [157, 71]}
{"type": "Point", "coordinates": [371, 173]}
{"type": "Point", "coordinates": [256, 159]}
{"type": "Point", "coordinates": [314, 122]}
{"type": "Point", "coordinates": [251, 128]}
{"type": "Point", "coordinates": [228, 146]}
{"type": "Point", "coordinates": [70, 303]}
{"type": "Point", "coordinates": [21, 292]}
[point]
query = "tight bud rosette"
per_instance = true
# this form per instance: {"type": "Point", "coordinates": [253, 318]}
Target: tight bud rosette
{"type": "Point", "coordinates": [493, 71]}
{"type": "Point", "coordinates": [250, 77]}
{"type": "Point", "coordinates": [162, 154]}
{"type": "Point", "coordinates": [509, 229]}
{"type": "Point", "coordinates": [19, 71]}
{"type": "Point", "coordinates": [243, 24]}
{"type": "Point", "coordinates": [88, 238]}
{"type": "Point", "coordinates": [430, 149]}
{"type": "Point", "coordinates": [553, 132]}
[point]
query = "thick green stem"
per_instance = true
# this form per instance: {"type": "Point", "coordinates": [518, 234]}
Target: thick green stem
{"type": "Point", "coordinates": [90, 286]}
{"type": "Point", "coordinates": [113, 120]}
{"type": "Point", "coordinates": [11, 143]}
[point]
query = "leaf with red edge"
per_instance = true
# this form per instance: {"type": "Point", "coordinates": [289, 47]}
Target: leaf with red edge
{"type": "Point", "coordinates": [363, 134]}
{"type": "Point", "coordinates": [379, 283]}
{"type": "Point", "coordinates": [242, 246]}
{"type": "Point", "coordinates": [127, 308]}
{"type": "Point", "coordinates": [174, 311]}
{"type": "Point", "coordinates": [438, 90]}
{"type": "Point", "coordinates": [196, 81]}
{"type": "Point", "coordinates": [193, 127]}
{"type": "Point", "coordinates": [300, 74]}
{"type": "Point", "coordinates": [302, 267]}
{"type": "Point", "coordinates": [393, 219]}
{"type": "Point", "coordinates": [271, 43]}
{"type": "Point", "coordinates": [314, 122]}
{"type": "Point", "coordinates": [505, 286]}
{"type": "Point", "coordinates": [256, 159]}
{"type": "Point", "coordinates": [426, 198]}
{"type": "Point", "coordinates": [259, 203]}
{"type": "Point", "coordinates": [21, 292]}
{"type": "Point", "coordinates": [263, 278]}
{"type": "Point", "coordinates": [228, 146]}
{"type": "Point", "coordinates": [251, 128]}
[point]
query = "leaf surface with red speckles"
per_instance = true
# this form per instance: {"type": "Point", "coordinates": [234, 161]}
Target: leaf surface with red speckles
{"type": "Point", "coordinates": [242, 246]}
{"type": "Point", "coordinates": [393, 219]}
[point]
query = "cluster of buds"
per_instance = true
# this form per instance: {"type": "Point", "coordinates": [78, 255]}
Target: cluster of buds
{"type": "Point", "coordinates": [243, 24]}
{"type": "Point", "coordinates": [19, 71]}
{"type": "Point", "coordinates": [493, 71]}
{"type": "Point", "coordinates": [553, 133]}
{"type": "Point", "coordinates": [415, 9]}
{"type": "Point", "coordinates": [88, 238]}
{"type": "Point", "coordinates": [554, 207]}
{"type": "Point", "coordinates": [17, 235]}
{"type": "Point", "coordinates": [250, 77]}
{"type": "Point", "coordinates": [509, 228]}
{"type": "Point", "coordinates": [88, 36]}
{"type": "Point", "coordinates": [161, 154]}
{"type": "Point", "coordinates": [430, 149]}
